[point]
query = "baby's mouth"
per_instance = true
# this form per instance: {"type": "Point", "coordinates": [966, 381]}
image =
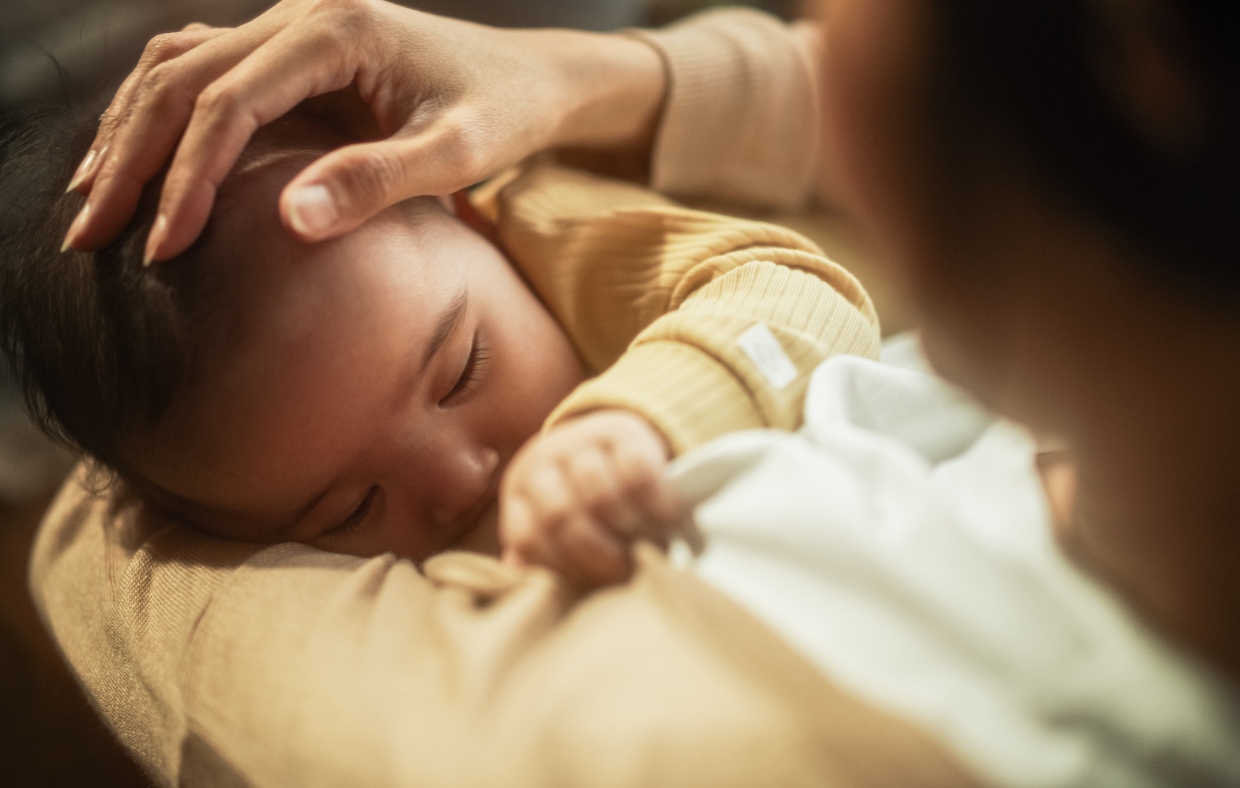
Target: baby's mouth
{"type": "Point", "coordinates": [477, 528]}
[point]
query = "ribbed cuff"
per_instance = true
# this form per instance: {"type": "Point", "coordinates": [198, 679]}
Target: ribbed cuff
{"type": "Point", "coordinates": [740, 123]}
{"type": "Point", "coordinates": [683, 392]}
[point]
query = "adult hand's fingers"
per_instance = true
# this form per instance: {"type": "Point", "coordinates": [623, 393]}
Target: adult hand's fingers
{"type": "Point", "coordinates": [288, 68]}
{"type": "Point", "coordinates": [346, 187]}
{"type": "Point", "coordinates": [149, 130]}
{"type": "Point", "coordinates": [160, 49]}
{"type": "Point", "coordinates": [457, 102]}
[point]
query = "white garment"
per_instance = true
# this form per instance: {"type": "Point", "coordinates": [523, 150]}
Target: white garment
{"type": "Point", "coordinates": [901, 541]}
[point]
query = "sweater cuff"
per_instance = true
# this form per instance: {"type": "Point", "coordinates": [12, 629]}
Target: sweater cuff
{"type": "Point", "coordinates": [740, 123]}
{"type": "Point", "coordinates": [683, 392]}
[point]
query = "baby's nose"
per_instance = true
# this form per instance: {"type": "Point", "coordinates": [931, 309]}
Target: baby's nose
{"type": "Point", "coordinates": [467, 481]}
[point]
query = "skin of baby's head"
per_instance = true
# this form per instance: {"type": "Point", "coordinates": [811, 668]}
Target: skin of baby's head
{"type": "Point", "coordinates": [362, 394]}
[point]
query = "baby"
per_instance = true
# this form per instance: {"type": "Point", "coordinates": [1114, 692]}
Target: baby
{"type": "Point", "coordinates": [385, 391]}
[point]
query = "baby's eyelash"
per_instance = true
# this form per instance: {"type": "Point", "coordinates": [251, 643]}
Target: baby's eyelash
{"type": "Point", "coordinates": [358, 515]}
{"type": "Point", "coordinates": [478, 356]}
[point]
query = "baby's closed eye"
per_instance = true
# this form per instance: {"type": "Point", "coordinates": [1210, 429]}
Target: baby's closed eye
{"type": "Point", "coordinates": [357, 516]}
{"type": "Point", "coordinates": [471, 373]}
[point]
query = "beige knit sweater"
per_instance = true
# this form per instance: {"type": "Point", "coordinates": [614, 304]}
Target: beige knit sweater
{"type": "Point", "coordinates": [219, 663]}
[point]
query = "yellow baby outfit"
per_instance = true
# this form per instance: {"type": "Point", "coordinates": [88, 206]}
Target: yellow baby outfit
{"type": "Point", "coordinates": [702, 323]}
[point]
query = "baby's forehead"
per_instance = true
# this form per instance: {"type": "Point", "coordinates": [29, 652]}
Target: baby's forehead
{"type": "Point", "coordinates": [245, 217]}
{"type": "Point", "coordinates": [266, 270]}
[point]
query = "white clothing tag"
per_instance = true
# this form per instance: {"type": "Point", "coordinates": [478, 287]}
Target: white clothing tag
{"type": "Point", "coordinates": [768, 356]}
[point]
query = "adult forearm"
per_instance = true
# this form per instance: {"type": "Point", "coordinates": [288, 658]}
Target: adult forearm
{"type": "Point", "coordinates": [614, 88]}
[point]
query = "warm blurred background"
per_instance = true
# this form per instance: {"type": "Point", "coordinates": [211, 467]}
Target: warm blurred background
{"type": "Point", "coordinates": [53, 51]}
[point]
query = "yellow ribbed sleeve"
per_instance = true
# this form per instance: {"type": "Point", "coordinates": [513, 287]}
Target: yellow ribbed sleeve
{"type": "Point", "coordinates": [656, 299]}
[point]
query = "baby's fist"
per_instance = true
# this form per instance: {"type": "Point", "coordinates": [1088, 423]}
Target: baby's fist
{"type": "Point", "coordinates": [575, 498]}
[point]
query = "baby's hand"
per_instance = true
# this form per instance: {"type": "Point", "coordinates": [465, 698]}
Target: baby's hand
{"type": "Point", "coordinates": [575, 498]}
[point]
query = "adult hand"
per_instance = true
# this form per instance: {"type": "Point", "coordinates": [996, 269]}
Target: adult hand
{"type": "Point", "coordinates": [454, 102]}
{"type": "Point", "coordinates": [574, 499]}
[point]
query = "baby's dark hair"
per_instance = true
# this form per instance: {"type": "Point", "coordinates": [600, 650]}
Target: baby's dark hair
{"type": "Point", "coordinates": [99, 343]}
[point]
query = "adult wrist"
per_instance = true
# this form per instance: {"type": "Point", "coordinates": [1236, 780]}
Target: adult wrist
{"type": "Point", "coordinates": [614, 88]}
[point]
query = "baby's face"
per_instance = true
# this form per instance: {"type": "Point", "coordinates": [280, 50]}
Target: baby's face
{"type": "Point", "coordinates": [370, 390]}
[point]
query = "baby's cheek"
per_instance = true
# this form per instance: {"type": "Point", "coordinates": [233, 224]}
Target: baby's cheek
{"type": "Point", "coordinates": [560, 370]}
{"type": "Point", "coordinates": [538, 375]}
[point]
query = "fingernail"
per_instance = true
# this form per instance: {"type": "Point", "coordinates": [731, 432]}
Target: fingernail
{"type": "Point", "coordinates": [312, 210]}
{"type": "Point", "coordinates": [79, 174]}
{"type": "Point", "coordinates": [153, 241]}
{"type": "Point", "coordinates": [75, 228]}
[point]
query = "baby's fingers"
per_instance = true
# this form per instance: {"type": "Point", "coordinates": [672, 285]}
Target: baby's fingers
{"type": "Point", "coordinates": [532, 508]}
{"type": "Point", "coordinates": [642, 477]}
{"type": "Point", "coordinates": [593, 556]}
{"type": "Point", "coordinates": [602, 494]}
{"type": "Point", "coordinates": [545, 522]}
{"type": "Point", "coordinates": [520, 535]}
{"type": "Point", "coordinates": [580, 550]}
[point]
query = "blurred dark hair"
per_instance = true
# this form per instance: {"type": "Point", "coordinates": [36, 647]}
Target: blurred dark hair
{"type": "Point", "coordinates": [1030, 72]}
{"type": "Point", "coordinates": [99, 343]}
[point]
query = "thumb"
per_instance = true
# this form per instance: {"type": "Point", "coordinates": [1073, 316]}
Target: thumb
{"type": "Point", "coordinates": [344, 188]}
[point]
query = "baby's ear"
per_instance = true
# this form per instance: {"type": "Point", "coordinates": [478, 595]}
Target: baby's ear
{"type": "Point", "coordinates": [467, 213]}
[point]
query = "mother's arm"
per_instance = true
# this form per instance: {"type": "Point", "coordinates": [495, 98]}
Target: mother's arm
{"type": "Point", "coordinates": [740, 121]}
{"type": "Point", "coordinates": [219, 663]}
{"type": "Point", "coordinates": [454, 102]}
